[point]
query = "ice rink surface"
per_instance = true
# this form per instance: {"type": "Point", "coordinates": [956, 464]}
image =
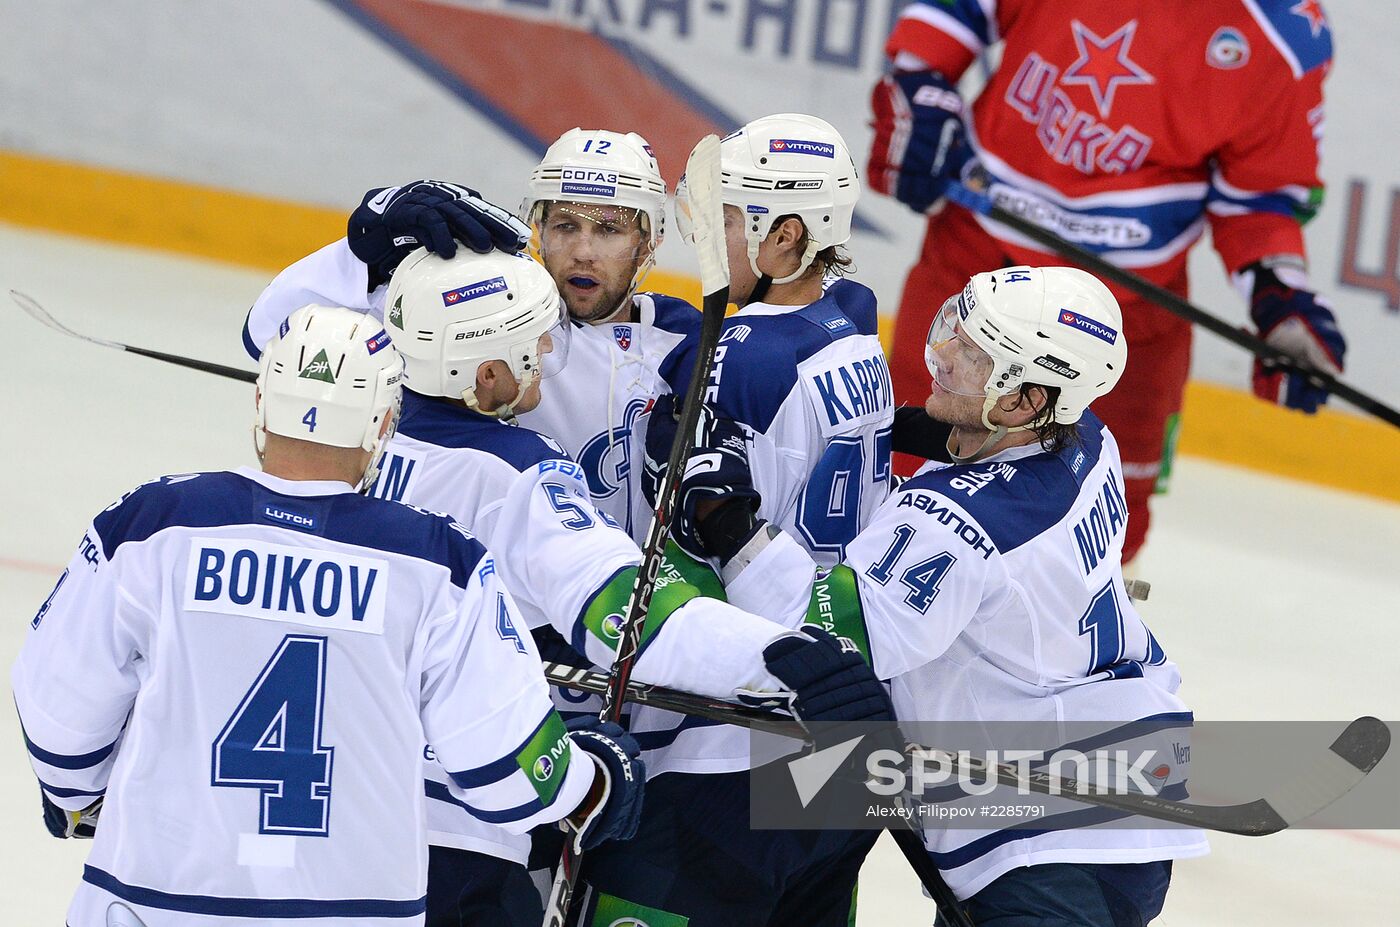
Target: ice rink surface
{"type": "Point", "coordinates": [1278, 600]}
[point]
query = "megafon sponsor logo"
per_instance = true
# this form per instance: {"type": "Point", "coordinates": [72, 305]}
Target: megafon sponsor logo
{"type": "Point", "coordinates": [1087, 325]}
{"type": "Point", "coordinates": [802, 146]}
{"type": "Point", "coordinates": [474, 291]}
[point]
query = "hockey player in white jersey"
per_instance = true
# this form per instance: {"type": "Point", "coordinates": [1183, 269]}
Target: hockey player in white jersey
{"type": "Point", "coordinates": [596, 206]}
{"type": "Point", "coordinates": [991, 589]}
{"type": "Point", "coordinates": [480, 335]}
{"type": "Point", "coordinates": [596, 203]}
{"type": "Point", "coordinates": [803, 411]}
{"type": "Point", "coordinates": [238, 669]}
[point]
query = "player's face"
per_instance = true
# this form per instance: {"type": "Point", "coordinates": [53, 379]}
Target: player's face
{"type": "Point", "coordinates": [592, 252]}
{"type": "Point", "coordinates": [959, 370]}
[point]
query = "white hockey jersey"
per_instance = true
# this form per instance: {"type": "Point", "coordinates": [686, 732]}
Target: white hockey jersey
{"type": "Point", "coordinates": [567, 568]}
{"type": "Point", "coordinates": [247, 668]}
{"type": "Point", "coordinates": [811, 387]}
{"type": "Point", "coordinates": [993, 593]}
{"type": "Point", "coordinates": [480, 459]}
{"type": "Point", "coordinates": [614, 372]}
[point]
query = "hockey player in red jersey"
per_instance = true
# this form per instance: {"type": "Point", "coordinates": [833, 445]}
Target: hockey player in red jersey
{"type": "Point", "coordinates": [1126, 128]}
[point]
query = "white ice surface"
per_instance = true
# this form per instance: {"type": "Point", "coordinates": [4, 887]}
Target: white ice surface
{"type": "Point", "coordinates": [1279, 600]}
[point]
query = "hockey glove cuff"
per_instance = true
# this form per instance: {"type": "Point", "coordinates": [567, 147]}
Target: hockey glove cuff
{"type": "Point", "coordinates": [1296, 322]}
{"type": "Point", "coordinates": [63, 824]}
{"type": "Point", "coordinates": [614, 806]}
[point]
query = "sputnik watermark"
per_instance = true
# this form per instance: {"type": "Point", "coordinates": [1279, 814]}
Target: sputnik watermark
{"type": "Point", "coordinates": [1101, 772]}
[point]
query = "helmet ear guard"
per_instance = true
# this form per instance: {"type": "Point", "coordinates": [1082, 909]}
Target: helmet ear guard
{"type": "Point", "coordinates": [330, 377]}
{"type": "Point", "coordinates": [451, 316]}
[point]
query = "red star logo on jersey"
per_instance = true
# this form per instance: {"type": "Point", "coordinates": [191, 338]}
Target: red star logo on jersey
{"type": "Point", "coordinates": [1103, 63]}
{"type": "Point", "coordinates": [1310, 10]}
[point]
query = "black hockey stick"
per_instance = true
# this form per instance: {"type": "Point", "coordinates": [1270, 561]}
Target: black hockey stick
{"type": "Point", "coordinates": [982, 202]}
{"type": "Point", "coordinates": [1353, 755]}
{"type": "Point", "coordinates": [702, 178]}
{"type": "Point", "coordinates": [32, 307]}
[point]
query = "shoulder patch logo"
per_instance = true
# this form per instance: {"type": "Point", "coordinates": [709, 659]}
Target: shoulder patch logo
{"type": "Point", "coordinates": [1310, 10]}
{"type": "Point", "coordinates": [318, 369]}
{"type": "Point", "coordinates": [1228, 49]}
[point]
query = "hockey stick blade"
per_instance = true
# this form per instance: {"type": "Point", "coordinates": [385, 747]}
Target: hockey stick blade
{"type": "Point", "coordinates": [703, 178]}
{"type": "Point", "coordinates": [979, 201]}
{"type": "Point", "coordinates": [40, 314]}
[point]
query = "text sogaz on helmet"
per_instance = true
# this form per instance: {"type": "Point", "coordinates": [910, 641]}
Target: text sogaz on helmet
{"type": "Point", "coordinates": [1046, 326]}
{"type": "Point", "coordinates": [786, 164]}
{"type": "Point", "coordinates": [602, 168]}
{"type": "Point", "coordinates": [330, 376]}
{"type": "Point", "coordinates": [451, 316]}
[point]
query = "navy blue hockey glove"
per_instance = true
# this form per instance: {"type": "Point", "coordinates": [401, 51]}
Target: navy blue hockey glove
{"type": "Point", "coordinates": [614, 814]}
{"type": "Point", "coordinates": [833, 687]}
{"type": "Point", "coordinates": [64, 824]}
{"type": "Point", "coordinates": [1299, 323]}
{"type": "Point", "coordinates": [920, 143]}
{"type": "Point", "coordinates": [717, 481]}
{"type": "Point", "coordinates": [393, 221]}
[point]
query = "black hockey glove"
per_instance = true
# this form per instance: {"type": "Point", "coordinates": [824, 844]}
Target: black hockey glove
{"type": "Point", "coordinates": [393, 221]}
{"type": "Point", "coordinates": [717, 481]}
{"type": "Point", "coordinates": [63, 824]}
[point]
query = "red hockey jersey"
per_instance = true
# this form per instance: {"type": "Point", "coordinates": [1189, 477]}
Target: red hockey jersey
{"type": "Point", "coordinates": [1125, 127]}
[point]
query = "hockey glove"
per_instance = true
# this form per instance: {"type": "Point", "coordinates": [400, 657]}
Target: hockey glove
{"type": "Point", "coordinates": [63, 824]}
{"type": "Point", "coordinates": [393, 221]}
{"type": "Point", "coordinates": [717, 502]}
{"type": "Point", "coordinates": [614, 804]}
{"type": "Point", "coordinates": [833, 687]}
{"type": "Point", "coordinates": [1299, 323]}
{"type": "Point", "coordinates": [920, 143]}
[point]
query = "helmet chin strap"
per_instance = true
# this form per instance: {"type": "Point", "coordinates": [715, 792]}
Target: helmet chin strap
{"type": "Point", "coordinates": [506, 411]}
{"type": "Point", "coordinates": [760, 289]}
{"type": "Point", "coordinates": [994, 433]}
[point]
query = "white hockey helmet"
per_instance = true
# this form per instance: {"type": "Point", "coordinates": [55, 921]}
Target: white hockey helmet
{"type": "Point", "coordinates": [329, 377]}
{"type": "Point", "coordinates": [782, 165]}
{"type": "Point", "coordinates": [451, 316]}
{"type": "Point", "coordinates": [603, 168]}
{"type": "Point", "coordinates": [1045, 326]}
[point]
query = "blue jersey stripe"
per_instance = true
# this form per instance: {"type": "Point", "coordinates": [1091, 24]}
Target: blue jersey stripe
{"type": "Point", "coordinates": [656, 740]}
{"type": "Point", "coordinates": [285, 908]}
{"type": "Point", "coordinates": [1069, 820]}
{"type": "Point", "coordinates": [57, 792]}
{"type": "Point", "coordinates": [223, 499]}
{"type": "Point", "coordinates": [495, 771]}
{"type": "Point", "coordinates": [67, 760]}
{"type": "Point", "coordinates": [439, 792]}
{"type": "Point", "coordinates": [443, 423]}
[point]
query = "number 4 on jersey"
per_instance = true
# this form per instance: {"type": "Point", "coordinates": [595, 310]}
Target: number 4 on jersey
{"type": "Point", "coordinates": [272, 742]}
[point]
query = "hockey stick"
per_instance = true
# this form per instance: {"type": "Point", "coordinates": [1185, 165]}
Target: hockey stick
{"type": "Point", "coordinates": [702, 177]}
{"type": "Point", "coordinates": [38, 312]}
{"type": "Point", "coordinates": [982, 202]}
{"type": "Point", "coordinates": [1352, 756]}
